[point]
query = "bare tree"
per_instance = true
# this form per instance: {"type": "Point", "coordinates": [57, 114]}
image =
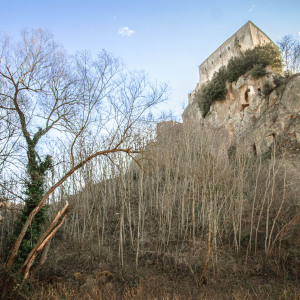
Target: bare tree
{"type": "Point", "coordinates": [8, 132]}
{"type": "Point", "coordinates": [63, 102]}
{"type": "Point", "coordinates": [290, 49]}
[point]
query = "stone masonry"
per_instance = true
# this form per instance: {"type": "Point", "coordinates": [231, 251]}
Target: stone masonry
{"type": "Point", "coordinates": [247, 37]}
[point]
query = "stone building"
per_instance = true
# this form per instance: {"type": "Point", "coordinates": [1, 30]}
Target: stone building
{"type": "Point", "coordinates": [248, 116]}
{"type": "Point", "coordinates": [247, 37]}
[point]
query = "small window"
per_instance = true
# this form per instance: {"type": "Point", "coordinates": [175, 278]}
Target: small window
{"type": "Point", "coordinates": [205, 69]}
{"type": "Point", "coordinates": [228, 48]}
{"type": "Point", "coordinates": [220, 55]}
{"type": "Point", "coordinates": [212, 62]}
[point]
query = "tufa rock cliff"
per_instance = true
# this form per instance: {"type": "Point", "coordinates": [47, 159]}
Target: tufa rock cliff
{"type": "Point", "coordinates": [254, 115]}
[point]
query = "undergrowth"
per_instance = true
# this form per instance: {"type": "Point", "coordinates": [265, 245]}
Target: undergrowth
{"type": "Point", "coordinates": [194, 212]}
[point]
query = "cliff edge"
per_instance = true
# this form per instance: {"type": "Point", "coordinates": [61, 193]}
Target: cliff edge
{"type": "Point", "coordinates": [256, 111]}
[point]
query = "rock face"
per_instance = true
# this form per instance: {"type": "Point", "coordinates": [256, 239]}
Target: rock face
{"type": "Point", "coordinates": [247, 115]}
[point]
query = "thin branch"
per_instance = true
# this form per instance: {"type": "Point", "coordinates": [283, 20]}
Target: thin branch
{"type": "Point", "coordinates": [50, 191]}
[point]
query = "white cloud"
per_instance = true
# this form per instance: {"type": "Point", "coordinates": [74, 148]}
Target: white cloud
{"type": "Point", "coordinates": [299, 33]}
{"type": "Point", "coordinates": [252, 7]}
{"type": "Point", "coordinates": [125, 31]}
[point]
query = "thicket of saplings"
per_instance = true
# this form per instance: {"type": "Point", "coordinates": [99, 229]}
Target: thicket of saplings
{"type": "Point", "coordinates": [253, 61]}
{"type": "Point", "coordinates": [191, 207]}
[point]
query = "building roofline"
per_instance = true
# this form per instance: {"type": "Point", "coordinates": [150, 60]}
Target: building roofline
{"type": "Point", "coordinates": [250, 22]}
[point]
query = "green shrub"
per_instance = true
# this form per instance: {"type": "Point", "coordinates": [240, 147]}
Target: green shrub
{"type": "Point", "coordinates": [267, 154]}
{"type": "Point", "coordinates": [252, 60]}
{"type": "Point", "coordinates": [231, 152]}
{"type": "Point", "coordinates": [258, 71]}
{"type": "Point", "coordinates": [268, 55]}
{"type": "Point", "coordinates": [204, 103]}
{"type": "Point", "coordinates": [280, 81]}
{"type": "Point", "coordinates": [236, 67]}
{"type": "Point", "coordinates": [214, 90]}
{"type": "Point", "coordinates": [267, 88]}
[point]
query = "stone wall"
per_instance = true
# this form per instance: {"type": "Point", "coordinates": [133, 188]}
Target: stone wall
{"type": "Point", "coordinates": [246, 37]}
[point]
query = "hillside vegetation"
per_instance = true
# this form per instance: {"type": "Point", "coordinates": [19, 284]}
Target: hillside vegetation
{"type": "Point", "coordinates": [111, 209]}
{"type": "Point", "coordinates": [193, 223]}
{"type": "Point", "coordinates": [253, 61]}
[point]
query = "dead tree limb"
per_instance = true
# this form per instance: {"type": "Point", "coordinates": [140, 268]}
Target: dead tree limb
{"type": "Point", "coordinates": [44, 241]}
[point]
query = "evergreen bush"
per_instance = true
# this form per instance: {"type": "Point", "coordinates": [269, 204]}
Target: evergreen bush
{"type": "Point", "coordinates": [258, 70]}
{"type": "Point", "coordinates": [213, 91]}
{"type": "Point", "coordinates": [267, 88]}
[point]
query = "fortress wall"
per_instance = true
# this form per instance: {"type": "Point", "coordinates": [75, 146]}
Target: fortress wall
{"type": "Point", "coordinates": [258, 37]}
{"type": "Point", "coordinates": [246, 37]}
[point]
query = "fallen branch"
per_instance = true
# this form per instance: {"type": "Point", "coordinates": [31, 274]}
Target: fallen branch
{"type": "Point", "coordinates": [44, 241]}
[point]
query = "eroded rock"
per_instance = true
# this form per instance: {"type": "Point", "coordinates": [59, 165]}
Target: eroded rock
{"type": "Point", "coordinates": [246, 114]}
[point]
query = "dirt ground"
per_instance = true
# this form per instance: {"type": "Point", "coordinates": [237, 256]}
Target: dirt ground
{"type": "Point", "coordinates": [72, 274]}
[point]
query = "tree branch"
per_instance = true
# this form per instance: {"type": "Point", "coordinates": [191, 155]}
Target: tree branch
{"type": "Point", "coordinates": [51, 190]}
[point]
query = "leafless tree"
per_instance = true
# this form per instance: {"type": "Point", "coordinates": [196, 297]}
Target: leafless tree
{"type": "Point", "coordinates": [290, 49]}
{"type": "Point", "coordinates": [51, 102]}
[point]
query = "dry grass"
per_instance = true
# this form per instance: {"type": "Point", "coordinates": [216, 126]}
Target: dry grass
{"type": "Point", "coordinates": [191, 216]}
{"type": "Point", "coordinates": [146, 291]}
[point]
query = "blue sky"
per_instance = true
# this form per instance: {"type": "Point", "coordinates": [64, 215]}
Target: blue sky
{"type": "Point", "coordinates": [167, 39]}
